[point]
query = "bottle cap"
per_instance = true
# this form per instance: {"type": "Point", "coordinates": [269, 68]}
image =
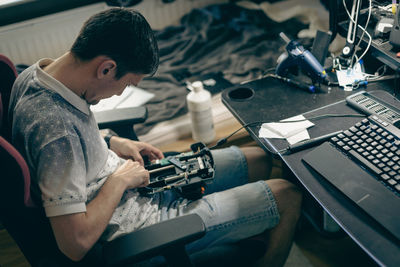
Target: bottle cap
{"type": "Point", "coordinates": [197, 86]}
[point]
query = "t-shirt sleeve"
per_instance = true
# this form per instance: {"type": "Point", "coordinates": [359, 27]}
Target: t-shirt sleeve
{"type": "Point", "coordinates": [61, 173]}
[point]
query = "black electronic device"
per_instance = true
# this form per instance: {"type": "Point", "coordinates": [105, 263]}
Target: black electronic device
{"type": "Point", "coordinates": [367, 156]}
{"type": "Point", "coordinates": [379, 29]}
{"type": "Point", "coordinates": [321, 45]}
{"type": "Point", "coordinates": [187, 173]}
{"type": "Point", "coordinates": [370, 105]}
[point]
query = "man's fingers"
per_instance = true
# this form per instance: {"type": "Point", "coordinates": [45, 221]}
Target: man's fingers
{"type": "Point", "coordinates": [137, 157]}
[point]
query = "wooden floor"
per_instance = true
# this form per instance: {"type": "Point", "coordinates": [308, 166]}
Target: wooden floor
{"type": "Point", "coordinates": [318, 249]}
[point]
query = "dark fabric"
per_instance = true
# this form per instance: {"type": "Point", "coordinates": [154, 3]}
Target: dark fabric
{"type": "Point", "coordinates": [225, 38]}
{"type": "Point", "coordinates": [8, 75]}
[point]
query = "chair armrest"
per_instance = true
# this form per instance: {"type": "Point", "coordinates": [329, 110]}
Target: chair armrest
{"type": "Point", "coordinates": [153, 240]}
{"type": "Point", "coordinates": [121, 116]}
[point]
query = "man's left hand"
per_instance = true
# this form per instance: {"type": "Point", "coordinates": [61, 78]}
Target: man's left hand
{"type": "Point", "coordinates": [129, 149]}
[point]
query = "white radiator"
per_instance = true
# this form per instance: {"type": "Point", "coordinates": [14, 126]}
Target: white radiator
{"type": "Point", "coordinates": [52, 35]}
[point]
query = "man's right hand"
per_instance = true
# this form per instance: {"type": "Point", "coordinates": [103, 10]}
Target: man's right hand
{"type": "Point", "coordinates": [76, 233]}
{"type": "Point", "coordinates": [134, 174]}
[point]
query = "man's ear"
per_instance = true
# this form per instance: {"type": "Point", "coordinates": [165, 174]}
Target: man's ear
{"type": "Point", "coordinates": [106, 68]}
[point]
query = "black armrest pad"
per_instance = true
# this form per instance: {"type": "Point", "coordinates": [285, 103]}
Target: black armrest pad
{"type": "Point", "coordinates": [121, 116]}
{"type": "Point", "coordinates": [152, 240]}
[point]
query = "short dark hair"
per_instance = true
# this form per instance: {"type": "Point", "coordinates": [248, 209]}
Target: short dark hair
{"type": "Point", "coordinates": [122, 34]}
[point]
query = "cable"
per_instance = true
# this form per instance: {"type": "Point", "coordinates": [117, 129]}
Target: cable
{"type": "Point", "coordinates": [362, 36]}
{"type": "Point", "coordinates": [225, 139]}
{"type": "Point", "coordinates": [363, 29]}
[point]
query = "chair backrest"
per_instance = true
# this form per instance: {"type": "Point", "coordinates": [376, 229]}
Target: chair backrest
{"type": "Point", "coordinates": [26, 223]}
{"type": "Point", "coordinates": [8, 74]}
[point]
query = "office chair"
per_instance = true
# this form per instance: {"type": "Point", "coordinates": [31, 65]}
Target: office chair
{"type": "Point", "coordinates": [31, 230]}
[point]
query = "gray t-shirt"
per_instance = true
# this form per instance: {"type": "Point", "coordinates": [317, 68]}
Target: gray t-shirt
{"type": "Point", "coordinates": [68, 159]}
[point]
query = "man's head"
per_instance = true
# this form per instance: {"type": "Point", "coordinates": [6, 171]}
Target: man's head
{"type": "Point", "coordinates": [124, 36]}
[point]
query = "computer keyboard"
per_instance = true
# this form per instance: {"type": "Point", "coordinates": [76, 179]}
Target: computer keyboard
{"type": "Point", "coordinates": [375, 145]}
{"type": "Point", "coordinates": [363, 162]}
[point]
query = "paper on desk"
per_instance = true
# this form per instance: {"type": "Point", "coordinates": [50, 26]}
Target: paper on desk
{"type": "Point", "coordinates": [346, 78]}
{"type": "Point", "coordinates": [293, 132]}
{"type": "Point", "coordinates": [132, 96]}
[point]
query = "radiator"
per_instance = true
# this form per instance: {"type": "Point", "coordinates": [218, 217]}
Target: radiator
{"type": "Point", "coordinates": [52, 35]}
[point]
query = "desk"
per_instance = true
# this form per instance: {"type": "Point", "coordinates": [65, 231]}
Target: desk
{"type": "Point", "coordinates": [270, 100]}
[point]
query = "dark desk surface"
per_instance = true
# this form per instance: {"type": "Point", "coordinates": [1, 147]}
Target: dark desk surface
{"type": "Point", "coordinates": [269, 100]}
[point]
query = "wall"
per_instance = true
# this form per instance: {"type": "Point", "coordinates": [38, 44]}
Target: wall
{"type": "Point", "coordinates": [50, 36]}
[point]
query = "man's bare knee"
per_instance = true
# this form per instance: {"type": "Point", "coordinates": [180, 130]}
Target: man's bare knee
{"type": "Point", "coordinates": [287, 195]}
{"type": "Point", "coordinates": [258, 162]}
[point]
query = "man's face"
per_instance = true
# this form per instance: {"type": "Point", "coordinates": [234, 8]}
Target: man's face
{"type": "Point", "coordinates": [110, 87]}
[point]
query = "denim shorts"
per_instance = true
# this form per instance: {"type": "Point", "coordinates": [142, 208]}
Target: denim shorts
{"type": "Point", "coordinates": [232, 209]}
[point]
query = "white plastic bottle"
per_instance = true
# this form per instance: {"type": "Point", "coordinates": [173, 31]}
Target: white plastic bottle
{"type": "Point", "coordinates": [199, 105]}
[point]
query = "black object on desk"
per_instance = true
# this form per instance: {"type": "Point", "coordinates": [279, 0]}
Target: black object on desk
{"type": "Point", "coordinates": [270, 100]}
{"type": "Point", "coordinates": [368, 157]}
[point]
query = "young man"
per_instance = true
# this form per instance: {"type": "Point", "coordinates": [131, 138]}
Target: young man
{"type": "Point", "coordinates": [89, 191]}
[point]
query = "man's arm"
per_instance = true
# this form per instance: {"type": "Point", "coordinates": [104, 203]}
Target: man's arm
{"type": "Point", "coordinates": [77, 233]}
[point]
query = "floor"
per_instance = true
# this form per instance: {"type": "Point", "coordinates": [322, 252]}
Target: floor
{"type": "Point", "coordinates": [310, 248]}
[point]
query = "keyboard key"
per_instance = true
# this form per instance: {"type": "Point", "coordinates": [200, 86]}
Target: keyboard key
{"type": "Point", "coordinates": [348, 133]}
{"type": "Point", "coordinates": [385, 177]}
{"type": "Point", "coordinates": [384, 159]}
{"type": "Point", "coordinates": [397, 187]}
{"type": "Point", "coordinates": [366, 163]}
{"type": "Point", "coordinates": [353, 129]}
{"type": "Point", "coordinates": [355, 146]}
{"type": "Point", "coordinates": [388, 145]}
{"type": "Point", "coordinates": [392, 182]}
